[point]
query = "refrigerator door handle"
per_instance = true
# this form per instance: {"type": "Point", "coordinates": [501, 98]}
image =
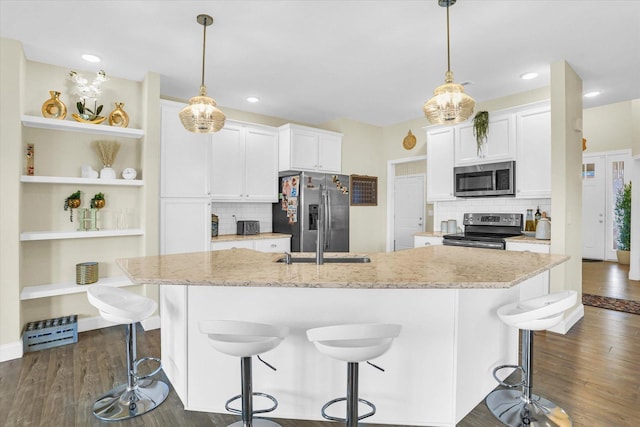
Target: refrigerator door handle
{"type": "Point", "coordinates": [327, 229]}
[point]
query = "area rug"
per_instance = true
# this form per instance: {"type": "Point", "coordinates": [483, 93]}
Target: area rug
{"type": "Point", "coordinates": [611, 303]}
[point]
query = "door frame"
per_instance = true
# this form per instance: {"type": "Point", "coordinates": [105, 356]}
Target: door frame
{"type": "Point", "coordinates": [391, 175]}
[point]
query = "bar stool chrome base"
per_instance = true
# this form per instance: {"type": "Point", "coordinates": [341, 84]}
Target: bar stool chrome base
{"type": "Point", "coordinates": [513, 409]}
{"type": "Point", "coordinates": [256, 422]}
{"type": "Point", "coordinates": [121, 404]}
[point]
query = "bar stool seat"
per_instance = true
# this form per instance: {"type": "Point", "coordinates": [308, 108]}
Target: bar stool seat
{"type": "Point", "coordinates": [140, 394]}
{"type": "Point", "coordinates": [522, 407]}
{"type": "Point", "coordinates": [245, 339]}
{"type": "Point", "coordinates": [353, 343]}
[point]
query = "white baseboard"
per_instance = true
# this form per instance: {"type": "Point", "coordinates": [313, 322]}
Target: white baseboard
{"type": "Point", "coordinates": [570, 319]}
{"type": "Point", "coordinates": [14, 350]}
{"type": "Point", "coordinates": [10, 351]}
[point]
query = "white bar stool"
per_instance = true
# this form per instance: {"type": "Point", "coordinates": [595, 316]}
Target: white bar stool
{"type": "Point", "coordinates": [140, 394]}
{"type": "Point", "coordinates": [353, 343]}
{"type": "Point", "coordinates": [245, 339]}
{"type": "Point", "coordinates": [522, 407]}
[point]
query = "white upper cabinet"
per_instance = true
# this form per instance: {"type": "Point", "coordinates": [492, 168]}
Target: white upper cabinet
{"type": "Point", "coordinates": [184, 156]}
{"type": "Point", "coordinates": [500, 144]}
{"type": "Point", "coordinates": [244, 163]}
{"type": "Point", "coordinates": [440, 146]}
{"type": "Point", "coordinates": [533, 166]}
{"type": "Point", "coordinates": [309, 149]}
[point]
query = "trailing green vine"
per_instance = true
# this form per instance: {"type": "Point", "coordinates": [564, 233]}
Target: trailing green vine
{"type": "Point", "coordinates": [481, 128]}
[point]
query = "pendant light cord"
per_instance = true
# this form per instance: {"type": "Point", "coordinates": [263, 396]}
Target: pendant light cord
{"type": "Point", "coordinates": [204, 45]}
{"type": "Point", "coordinates": [448, 49]}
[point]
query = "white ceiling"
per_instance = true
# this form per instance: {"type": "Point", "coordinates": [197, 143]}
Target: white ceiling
{"type": "Point", "coordinates": [313, 61]}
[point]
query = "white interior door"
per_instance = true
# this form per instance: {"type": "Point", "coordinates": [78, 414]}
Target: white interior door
{"type": "Point", "coordinates": [593, 207]}
{"type": "Point", "coordinates": [408, 210]}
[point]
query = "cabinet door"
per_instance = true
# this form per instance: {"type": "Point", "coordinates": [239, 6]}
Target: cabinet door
{"type": "Point", "coordinates": [500, 140]}
{"type": "Point", "coordinates": [533, 168]}
{"type": "Point", "coordinates": [184, 157]}
{"type": "Point", "coordinates": [330, 153]}
{"type": "Point", "coordinates": [227, 163]}
{"type": "Point", "coordinates": [440, 144]}
{"type": "Point", "coordinates": [273, 245]}
{"type": "Point", "coordinates": [304, 150]}
{"type": "Point", "coordinates": [261, 165]}
{"type": "Point", "coordinates": [185, 225]}
{"type": "Point", "coordinates": [500, 144]}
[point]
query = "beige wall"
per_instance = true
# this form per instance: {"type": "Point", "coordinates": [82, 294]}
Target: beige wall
{"type": "Point", "coordinates": [608, 127]}
{"type": "Point", "coordinates": [11, 105]}
{"type": "Point", "coordinates": [566, 179]}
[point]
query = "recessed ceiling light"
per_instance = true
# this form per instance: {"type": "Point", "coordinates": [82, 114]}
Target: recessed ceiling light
{"type": "Point", "coordinates": [528, 76]}
{"type": "Point", "coordinates": [91, 58]}
{"type": "Point", "coordinates": [253, 99]}
{"type": "Point", "coordinates": [592, 94]}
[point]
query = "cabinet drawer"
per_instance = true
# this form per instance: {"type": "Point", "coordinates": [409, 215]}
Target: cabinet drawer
{"type": "Point", "coordinates": [239, 244]}
{"type": "Point", "coordinates": [273, 245]}
{"type": "Point", "coordinates": [419, 241]}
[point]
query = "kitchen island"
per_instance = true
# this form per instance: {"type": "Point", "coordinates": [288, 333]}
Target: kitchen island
{"type": "Point", "coordinates": [437, 370]}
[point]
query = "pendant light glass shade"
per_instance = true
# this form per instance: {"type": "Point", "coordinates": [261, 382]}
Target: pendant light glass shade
{"type": "Point", "coordinates": [449, 104]}
{"type": "Point", "coordinates": [202, 115]}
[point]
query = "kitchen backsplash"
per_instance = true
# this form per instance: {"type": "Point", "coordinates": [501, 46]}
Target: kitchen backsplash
{"type": "Point", "coordinates": [251, 211]}
{"type": "Point", "coordinates": [456, 209]}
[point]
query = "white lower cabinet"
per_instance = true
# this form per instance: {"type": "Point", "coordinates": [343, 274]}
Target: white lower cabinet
{"type": "Point", "coordinates": [185, 225]}
{"type": "Point", "coordinates": [539, 285]}
{"type": "Point", "coordinates": [282, 244]}
{"type": "Point", "coordinates": [420, 241]}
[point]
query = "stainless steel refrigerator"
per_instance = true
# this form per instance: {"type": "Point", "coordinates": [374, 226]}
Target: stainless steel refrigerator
{"type": "Point", "coordinates": [297, 211]}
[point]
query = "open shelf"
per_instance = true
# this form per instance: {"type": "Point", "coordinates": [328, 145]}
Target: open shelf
{"type": "Point", "coordinates": [66, 288]}
{"type": "Point", "coordinates": [73, 126]}
{"type": "Point", "coordinates": [80, 181]}
{"type": "Point", "coordinates": [57, 235]}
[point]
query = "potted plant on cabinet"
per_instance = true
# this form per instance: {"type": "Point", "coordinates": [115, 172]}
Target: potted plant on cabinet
{"type": "Point", "coordinates": [623, 220]}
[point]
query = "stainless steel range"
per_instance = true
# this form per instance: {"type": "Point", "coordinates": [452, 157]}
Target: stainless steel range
{"type": "Point", "coordinates": [482, 230]}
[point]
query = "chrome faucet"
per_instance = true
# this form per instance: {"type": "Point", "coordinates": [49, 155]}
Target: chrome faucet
{"type": "Point", "coordinates": [322, 213]}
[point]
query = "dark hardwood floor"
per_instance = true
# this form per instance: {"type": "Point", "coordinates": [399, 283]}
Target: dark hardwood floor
{"type": "Point", "coordinates": [593, 372]}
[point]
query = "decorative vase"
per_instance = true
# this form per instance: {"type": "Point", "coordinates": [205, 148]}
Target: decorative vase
{"type": "Point", "coordinates": [98, 203]}
{"type": "Point", "coordinates": [54, 108]}
{"type": "Point", "coordinates": [119, 117]}
{"type": "Point", "coordinates": [624, 257]}
{"type": "Point", "coordinates": [74, 203]}
{"type": "Point", "coordinates": [107, 172]}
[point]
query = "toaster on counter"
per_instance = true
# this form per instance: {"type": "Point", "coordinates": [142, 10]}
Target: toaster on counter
{"type": "Point", "coordinates": [248, 227]}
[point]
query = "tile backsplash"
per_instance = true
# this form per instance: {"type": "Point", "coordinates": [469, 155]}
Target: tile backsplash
{"type": "Point", "coordinates": [242, 211]}
{"type": "Point", "coordinates": [455, 209]}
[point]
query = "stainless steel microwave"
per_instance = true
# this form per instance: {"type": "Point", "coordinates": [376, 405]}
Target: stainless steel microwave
{"type": "Point", "coordinates": [486, 180]}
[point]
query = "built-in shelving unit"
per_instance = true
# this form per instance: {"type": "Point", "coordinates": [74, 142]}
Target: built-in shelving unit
{"type": "Point", "coordinates": [71, 126]}
{"type": "Point", "coordinates": [54, 289]}
{"type": "Point", "coordinates": [80, 181]}
{"type": "Point", "coordinates": [58, 235]}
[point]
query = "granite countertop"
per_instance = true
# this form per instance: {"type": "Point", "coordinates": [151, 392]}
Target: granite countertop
{"type": "Point", "coordinates": [237, 237]}
{"type": "Point", "coordinates": [431, 267]}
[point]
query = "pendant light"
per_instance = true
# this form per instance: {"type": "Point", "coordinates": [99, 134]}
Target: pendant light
{"type": "Point", "coordinates": [202, 115]}
{"type": "Point", "coordinates": [449, 104]}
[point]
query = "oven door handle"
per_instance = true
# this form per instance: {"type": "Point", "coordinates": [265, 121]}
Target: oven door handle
{"type": "Point", "coordinates": [474, 244]}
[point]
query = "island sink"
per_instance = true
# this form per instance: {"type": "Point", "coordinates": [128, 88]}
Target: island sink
{"type": "Point", "coordinates": [336, 260]}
